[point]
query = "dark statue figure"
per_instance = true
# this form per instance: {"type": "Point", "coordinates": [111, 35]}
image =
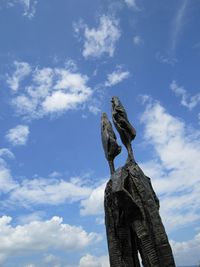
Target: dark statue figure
{"type": "Point", "coordinates": [132, 219]}
{"type": "Point", "coordinates": [123, 126]}
{"type": "Point", "coordinates": [111, 148]}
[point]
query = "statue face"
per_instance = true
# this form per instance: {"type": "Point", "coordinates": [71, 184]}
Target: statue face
{"type": "Point", "coordinates": [115, 102]}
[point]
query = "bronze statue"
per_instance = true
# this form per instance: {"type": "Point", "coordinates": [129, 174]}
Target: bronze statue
{"type": "Point", "coordinates": [132, 219]}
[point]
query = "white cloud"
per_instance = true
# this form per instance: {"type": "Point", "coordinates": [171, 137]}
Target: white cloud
{"type": "Point", "coordinates": [131, 3]}
{"type": "Point", "coordinates": [51, 90]}
{"type": "Point", "coordinates": [178, 24]}
{"type": "Point", "coordinates": [39, 191]}
{"type": "Point", "coordinates": [166, 59]}
{"type": "Point", "coordinates": [48, 191]}
{"type": "Point", "coordinates": [137, 40]}
{"type": "Point", "coordinates": [116, 77]}
{"type": "Point", "coordinates": [187, 101]}
{"type": "Point", "coordinates": [29, 6]}
{"type": "Point", "coordinates": [94, 109]}
{"type": "Point", "coordinates": [93, 204]}
{"type": "Point", "coordinates": [18, 135]}
{"type": "Point", "coordinates": [100, 40]}
{"type": "Point", "coordinates": [27, 218]}
{"type": "Point", "coordinates": [22, 69]}
{"type": "Point", "coordinates": [59, 101]}
{"type": "Point", "coordinates": [51, 259]}
{"type": "Point", "coordinates": [39, 236]}
{"type": "Point", "coordinates": [6, 152]}
{"type": "Point", "coordinates": [187, 252]}
{"type": "Point", "coordinates": [176, 165]}
{"type": "Point", "coordinates": [93, 261]}
{"type": "Point", "coordinates": [6, 181]}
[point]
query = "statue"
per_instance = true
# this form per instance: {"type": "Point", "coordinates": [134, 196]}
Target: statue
{"type": "Point", "coordinates": [133, 223]}
{"type": "Point", "coordinates": [111, 148]}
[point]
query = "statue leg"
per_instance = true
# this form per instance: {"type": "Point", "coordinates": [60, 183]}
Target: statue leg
{"type": "Point", "coordinates": [130, 153]}
{"type": "Point", "coordinates": [134, 244]}
{"type": "Point", "coordinates": [112, 167]}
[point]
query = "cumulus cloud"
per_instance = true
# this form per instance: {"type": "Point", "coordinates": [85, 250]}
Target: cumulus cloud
{"type": "Point", "coordinates": [93, 204]}
{"type": "Point", "coordinates": [29, 6]}
{"type": "Point", "coordinates": [116, 77]}
{"type": "Point", "coordinates": [187, 101]}
{"type": "Point", "coordinates": [176, 166]}
{"type": "Point", "coordinates": [50, 91]}
{"type": "Point", "coordinates": [187, 252]}
{"type": "Point", "coordinates": [40, 236]}
{"type": "Point", "coordinates": [18, 135]}
{"type": "Point", "coordinates": [93, 261]}
{"type": "Point", "coordinates": [100, 40]}
{"type": "Point", "coordinates": [22, 69]}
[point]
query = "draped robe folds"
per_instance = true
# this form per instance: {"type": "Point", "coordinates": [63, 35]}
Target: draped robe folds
{"type": "Point", "coordinates": [133, 223]}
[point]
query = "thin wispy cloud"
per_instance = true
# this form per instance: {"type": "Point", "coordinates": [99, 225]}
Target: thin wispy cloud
{"type": "Point", "coordinates": [131, 3]}
{"type": "Point", "coordinates": [28, 6]}
{"type": "Point", "coordinates": [5, 152]}
{"type": "Point", "coordinates": [116, 77]}
{"type": "Point", "coordinates": [187, 100]}
{"type": "Point", "coordinates": [178, 24]}
{"type": "Point", "coordinates": [22, 70]}
{"type": "Point", "coordinates": [137, 40]}
{"type": "Point", "coordinates": [166, 59]}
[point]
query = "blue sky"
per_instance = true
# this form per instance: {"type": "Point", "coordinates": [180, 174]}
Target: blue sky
{"type": "Point", "coordinates": [60, 64]}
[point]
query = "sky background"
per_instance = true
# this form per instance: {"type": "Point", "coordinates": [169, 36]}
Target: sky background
{"type": "Point", "coordinates": [60, 64]}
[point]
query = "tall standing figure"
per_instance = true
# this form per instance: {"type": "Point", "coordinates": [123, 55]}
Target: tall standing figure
{"type": "Point", "coordinates": [133, 222]}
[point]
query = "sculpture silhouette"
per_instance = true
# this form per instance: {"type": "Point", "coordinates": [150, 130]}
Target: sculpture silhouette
{"type": "Point", "coordinates": [133, 223]}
